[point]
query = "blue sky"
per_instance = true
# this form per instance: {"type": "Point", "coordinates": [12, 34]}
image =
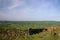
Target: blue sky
{"type": "Point", "coordinates": [30, 10]}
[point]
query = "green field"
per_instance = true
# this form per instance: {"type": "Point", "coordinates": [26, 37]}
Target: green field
{"type": "Point", "coordinates": [22, 25]}
{"type": "Point", "coordinates": [28, 24]}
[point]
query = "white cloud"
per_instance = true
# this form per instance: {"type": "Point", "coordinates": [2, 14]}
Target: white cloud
{"type": "Point", "coordinates": [15, 3]}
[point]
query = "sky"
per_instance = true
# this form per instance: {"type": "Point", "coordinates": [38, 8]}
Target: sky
{"type": "Point", "coordinates": [30, 10]}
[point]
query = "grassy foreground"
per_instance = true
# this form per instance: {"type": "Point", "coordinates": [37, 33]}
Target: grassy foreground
{"type": "Point", "coordinates": [31, 24]}
{"type": "Point", "coordinates": [40, 36]}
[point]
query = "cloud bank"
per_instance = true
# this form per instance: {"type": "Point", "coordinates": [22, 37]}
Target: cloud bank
{"type": "Point", "coordinates": [31, 10]}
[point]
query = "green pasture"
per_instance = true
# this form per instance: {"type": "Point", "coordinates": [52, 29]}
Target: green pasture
{"type": "Point", "coordinates": [28, 24]}
{"type": "Point", "coordinates": [22, 25]}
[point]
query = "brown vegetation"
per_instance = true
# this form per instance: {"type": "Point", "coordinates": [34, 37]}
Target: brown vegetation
{"type": "Point", "coordinates": [19, 33]}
